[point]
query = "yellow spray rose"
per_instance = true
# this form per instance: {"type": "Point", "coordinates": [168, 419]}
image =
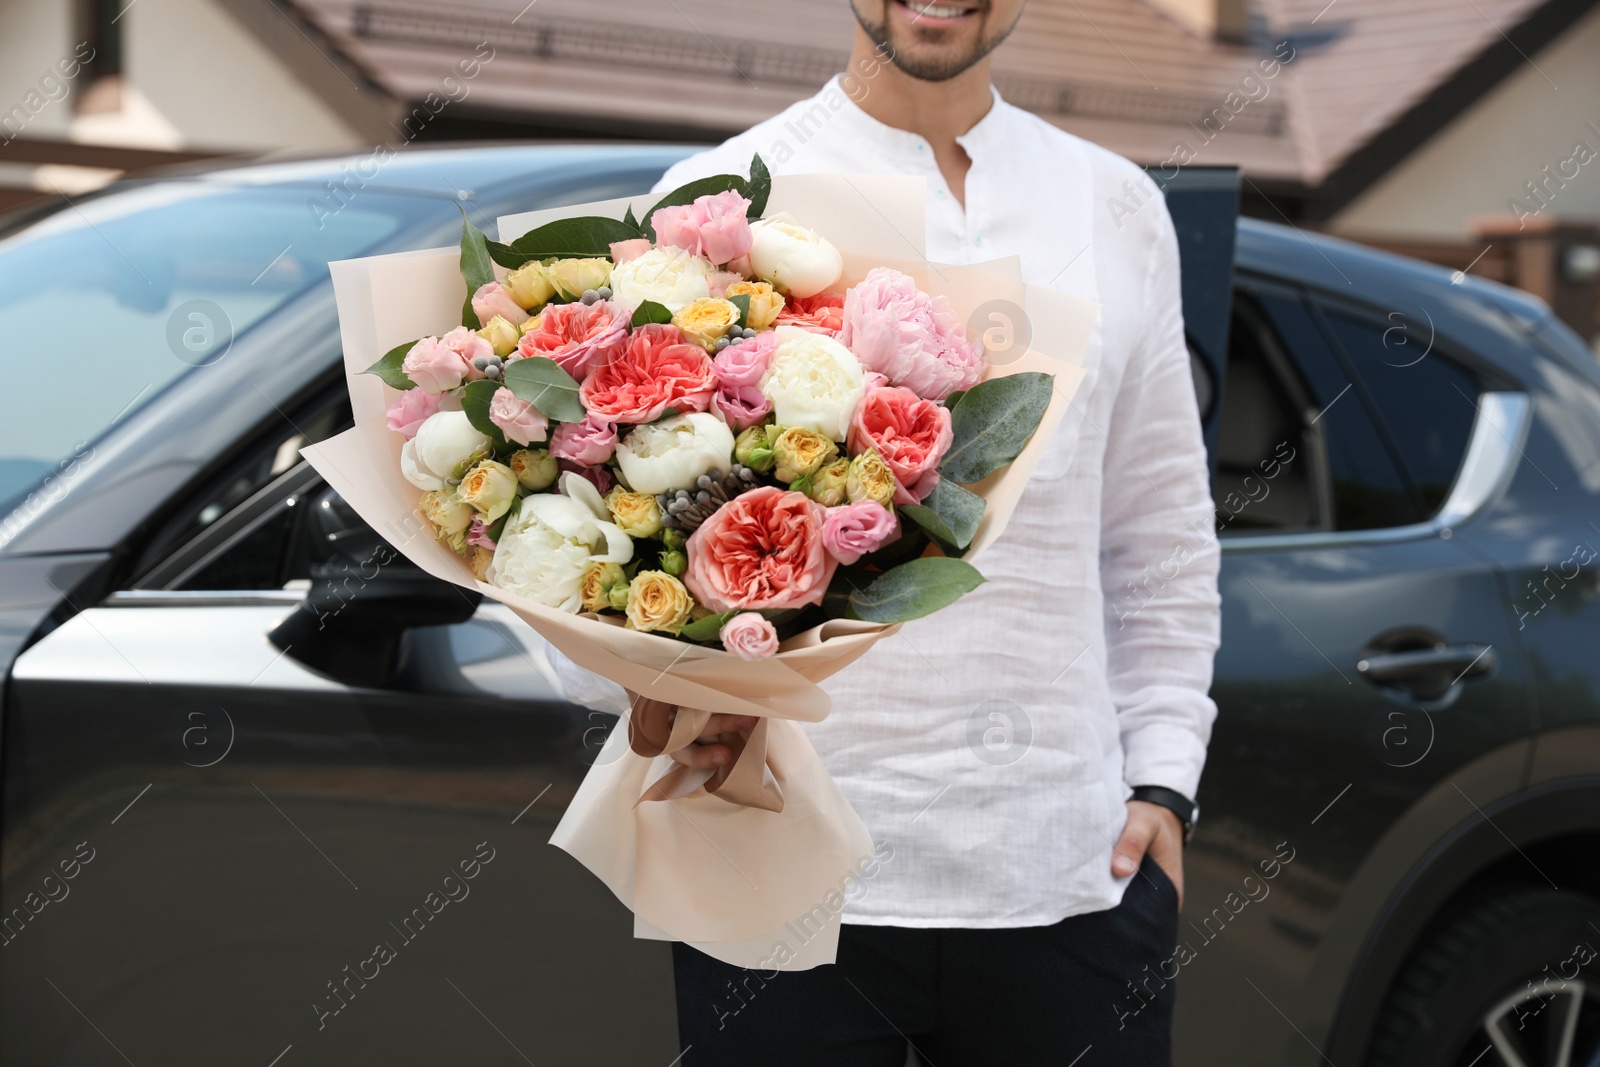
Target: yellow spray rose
{"type": "Point", "coordinates": [658, 601]}
{"type": "Point", "coordinates": [501, 335]}
{"type": "Point", "coordinates": [869, 479]}
{"type": "Point", "coordinates": [481, 558]}
{"type": "Point", "coordinates": [765, 302]}
{"type": "Point", "coordinates": [572, 276]}
{"type": "Point", "coordinates": [530, 286]}
{"type": "Point", "coordinates": [637, 514]}
{"type": "Point", "coordinates": [595, 586]}
{"type": "Point", "coordinates": [828, 484]}
{"type": "Point", "coordinates": [535, 468]}
{"type": "Point", "coordinates": [490, 488]}
{"type": "Point", "coordinates": [703, 321]}
{"type": "Point", "coordinates": [800, 452]}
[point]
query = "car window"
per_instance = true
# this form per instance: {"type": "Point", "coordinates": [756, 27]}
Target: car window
{"type": "Point", "coordinates": [145, 286]}
{"type": "Point", "coordinates": [1427, 401]}
{"type": "Point", "coordinates": [1348, 465]}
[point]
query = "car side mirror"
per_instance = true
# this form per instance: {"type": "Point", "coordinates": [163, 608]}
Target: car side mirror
{"type": "Point", "coordinates": [359, 619]}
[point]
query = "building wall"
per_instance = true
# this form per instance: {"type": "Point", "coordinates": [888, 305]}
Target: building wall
{"type": "Point", "coordinates": [35, 36]}
{"type": "Point", "coordinates": [1481, 163]}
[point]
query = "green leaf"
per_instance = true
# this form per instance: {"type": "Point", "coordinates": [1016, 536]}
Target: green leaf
{"type": "Point", "coordinates": [628, 219]}
{"type": "Point", "coordinates": [960, 510]}
{"type": "Point", "coordinates": [649, 312]}
{"type": "Point", "coordinates": [475, 398]}
{"type": "Point", "coordinates": [477, 269]}
{"type": "Point", "coordinates": [506, 256]}
{"type": "Point", "coordinates": [546, 386]}
{"type": "Point", "coordinates": [760, 187]}
{"type": "Point", "coordinates": [388, 368]}
{"type": "Point", "coordinates": [954, 398]}
{"type": "Point", "coordinates": [707, 629]}
{"type": "Point", "coordinates": [494, 528]}
{"type": "Point", "coordinates": [688, 194]}
{"type": "Point", "coordinates": [584, 237]}
{"type": "Point", "coordinates": [742, 302]}
{"type": "Point", "coordinates": [935, 527]}
{"type": "Point", "coordinates": [914, 589]}
{"type": "Point", "coordinates": [993, 422]}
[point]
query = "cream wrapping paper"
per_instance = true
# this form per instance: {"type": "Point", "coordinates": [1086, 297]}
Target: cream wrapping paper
{"type": "Point", "coordinates": [721, 870]}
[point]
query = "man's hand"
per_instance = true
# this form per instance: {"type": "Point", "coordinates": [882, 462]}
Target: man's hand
{"type": "Point", "coordinates": [1153, 829]}
{"type": "Point", "coordinates": [713, 747]}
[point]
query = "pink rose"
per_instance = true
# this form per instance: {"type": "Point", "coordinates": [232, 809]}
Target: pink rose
{"type": "Point", "coordinates": [435, 367]}
{"type": "Point", "coordinates": [478, 534]}
{"type": "Point", "coordinates": [622, 251]}
{"type": "Point", "coordinates": [579, 337]}
{"type": "Point", "coordinates": [409, 410]}
{"type": "Point", "coordinates": [741, 406]}
{"type": "Point", "coordinates": [762, 549]}
{"type": "Point", "coordinates": [519, 420]}
{"type": "Point", "coordinates": [910, 433]}
{"type": "Point", "coordinates": [469, 346]}
{"type": "Point", "coordinates": [745, 363]}
{"type": "Point", "coordinates": [590, 442]}
{"type": "Point", "coordinates": [913, 338]}
{"type": "Point", "coordinates": [853, 530]}
{"type": "Point", "coordinates": [656, 369]}
{"type": "Point", "coordinates": [599, 477]}
{"type": "Point", "coordinates": [749, 635]}
{"type": "Point", "coordinates": [823, 313]}
{"type": "Point", "coordinates": [491, 300]}
{"type": "Point", "coordinates": [714, 226]}
{"type": "Point", "coordinates": [719, 280]}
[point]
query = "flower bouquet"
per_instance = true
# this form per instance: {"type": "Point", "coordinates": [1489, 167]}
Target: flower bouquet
{"type": "Point", "coordinates": [713, 452]}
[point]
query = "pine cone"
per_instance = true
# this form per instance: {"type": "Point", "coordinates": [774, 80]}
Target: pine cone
{"type": "Point", "coordinates": [683, 510]}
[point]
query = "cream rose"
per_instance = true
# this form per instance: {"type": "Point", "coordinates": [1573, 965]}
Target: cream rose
{"type": "Point", "coordinates": [548, 543]}
{"type": "Point", "coordinates": [671, 453]}
{"type": "Point", "coordinates": [658, 601]}
{"type": "Point", "coordinates": [814, 382]}
{"type": "Point", "coordinates": [444, 441]}
{"type": "Point", "coordinates": [669, 276]}
{"type": "Point", "coordinates": [637, 513]}
{"type": "Point", "coordinates": [490, 488]}
{"type": "Point", "coordinates": [572, 276]}
{"type": "Point", "coordinates": [799, 261]}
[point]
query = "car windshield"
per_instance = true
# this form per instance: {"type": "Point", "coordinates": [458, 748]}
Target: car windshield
{"type": "Point", "coordinates": [131, 291]}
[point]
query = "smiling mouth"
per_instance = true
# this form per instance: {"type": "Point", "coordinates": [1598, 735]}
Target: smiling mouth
{"type": "Point", "coordinates": [936, 10]}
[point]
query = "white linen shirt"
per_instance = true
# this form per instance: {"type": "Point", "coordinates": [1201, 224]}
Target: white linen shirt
{"type": "Point", "coordinates": [992, 745]}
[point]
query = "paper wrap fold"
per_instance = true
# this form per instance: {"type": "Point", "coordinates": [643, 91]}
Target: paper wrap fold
{"type": "Point", "coordinates": [743, 866]}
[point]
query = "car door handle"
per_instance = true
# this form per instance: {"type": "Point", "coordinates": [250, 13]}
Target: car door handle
{"type": "Point", "coordinates": [1428, 674]}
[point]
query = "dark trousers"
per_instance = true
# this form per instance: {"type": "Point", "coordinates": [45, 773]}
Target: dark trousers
{"type": "Point", "coordinates": [1082, 992]}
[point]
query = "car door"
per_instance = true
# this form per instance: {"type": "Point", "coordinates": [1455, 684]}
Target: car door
{"type": "Point", "coordinates": [1367, 653]}
{"type": "Point", "coordinates": [302, 834]}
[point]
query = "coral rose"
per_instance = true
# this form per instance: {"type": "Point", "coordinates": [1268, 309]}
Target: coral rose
{"type": "Point", "coordinates": [910, 433]}
{"type": "Point", "coordinates": [913, 338]}
{"type": "Point", "coordinates": [579, 337]}
{"type": "Point", "coordinates": [762, 549]}
{"type": "Point", "coordinates": [655, 370]}
{"type": "Point", "coordinates": [823, 313]}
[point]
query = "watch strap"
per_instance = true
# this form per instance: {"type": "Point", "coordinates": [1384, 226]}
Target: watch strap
{"type": "Point", "coordinates": [1185, 809]}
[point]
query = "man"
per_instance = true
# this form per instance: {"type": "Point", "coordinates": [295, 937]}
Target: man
{"type": "Point", "coordinates": [994, 748]}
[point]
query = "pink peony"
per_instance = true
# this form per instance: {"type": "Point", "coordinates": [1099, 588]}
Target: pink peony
{"type": "Point", "coordinates": [910, 433]}
{"type": "Point", "coordinates": [746, 362]}
{"type": "Point", "coordinates": [741, 406]}
{"type": "Point", "coordinates": [519, 420]}
{"type": "Point", "coordinates": [599, 477]}
{"type": "Point", "coordinates": [622, 251]}
{"type": "Point", "coordinates": [590, 442]}
{"type": "Point", "coordinates": [913, 338]}
{"type": "Point", "coordinates": [714, 226]}
{"type": "Point", "coordinates": [656, 369]}
{"type": "Point", "coordinates": [439, 364]}
{"type": "Point", "coordinates": [579, 337]}
{"type": "Point", "coordinates": [749, 635]}
{"type": "Point", "coordinates": [853, 530]}
{"type": "Point", "coordinates": [409, 410]}
{"type": "Point", "coordinates": [491, 300]}
{"type": "Point", "coordinates": [762, 549]}
{"type": "Point", "coordinates": [719, 281]}
{"type": "Point", "coordinates": [823, 313]}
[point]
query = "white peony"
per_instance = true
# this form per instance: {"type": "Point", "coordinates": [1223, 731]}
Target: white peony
{"type": "Point", "coordinates": [814, 382]}
{"type": "Point", "coordinates": [671, 277]}
{"type": "Point", "coordinates": [670, 454]}
{"type": "Point", "coordinates": [799, 261]}
{"type": "Point", "coordinates": [444, 441]}
{"type": "Point", "coordinates": [551, 539]}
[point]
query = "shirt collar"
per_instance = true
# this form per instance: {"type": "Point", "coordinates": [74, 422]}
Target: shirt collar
{"type": "Point", "coordinates": [983, 135]}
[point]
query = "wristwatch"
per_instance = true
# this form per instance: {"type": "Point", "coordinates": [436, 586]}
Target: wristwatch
{"type": "Point", "coordinates": [1187, 811]}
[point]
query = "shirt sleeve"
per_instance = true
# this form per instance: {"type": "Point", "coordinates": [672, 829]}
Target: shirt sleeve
{"type": "Point", "coordinates": [586, 688]}
{"type": "Point", "coordinates": [1159, 554]}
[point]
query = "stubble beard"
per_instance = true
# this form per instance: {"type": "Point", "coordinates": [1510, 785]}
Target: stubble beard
{"type": "Point", "coordinates": [929, 69]}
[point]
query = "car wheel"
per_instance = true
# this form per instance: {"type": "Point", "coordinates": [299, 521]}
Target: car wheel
{"type": "Point", "coordinates": [1513, 981]}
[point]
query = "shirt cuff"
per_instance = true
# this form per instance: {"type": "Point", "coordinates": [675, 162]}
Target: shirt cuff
{"type": "Point", "coordinates": [1163, 754]}
{"type": "Point", "coordinates": [586, 688]}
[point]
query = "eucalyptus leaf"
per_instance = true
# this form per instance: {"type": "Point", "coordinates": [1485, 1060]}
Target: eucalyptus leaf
{"type": "Point", "coordinates": [742, 302]}
{"type": "Point", "coordinates": [914, 589]}
{"type": "Point", "coordinates": [546, 386]}
{"type": "Point", "coordinates": [760, 187]}
{"type": "Point", "coordinates": [584, 237]}
{"type": "Point", "coordinates": [649, 312]}
{"type": "Point", "coordinates": [475, 398]}
{"type": "Point", "coordinates": [388, 368]}
{"type": "Point", "coordinates": [993, 422]}
{"type": "Point", "coordinates": [954, 398]}
{"type": "Point", "coordinates": [933, 525]}
{"type": "Point", "coordinates": [959, 509]}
